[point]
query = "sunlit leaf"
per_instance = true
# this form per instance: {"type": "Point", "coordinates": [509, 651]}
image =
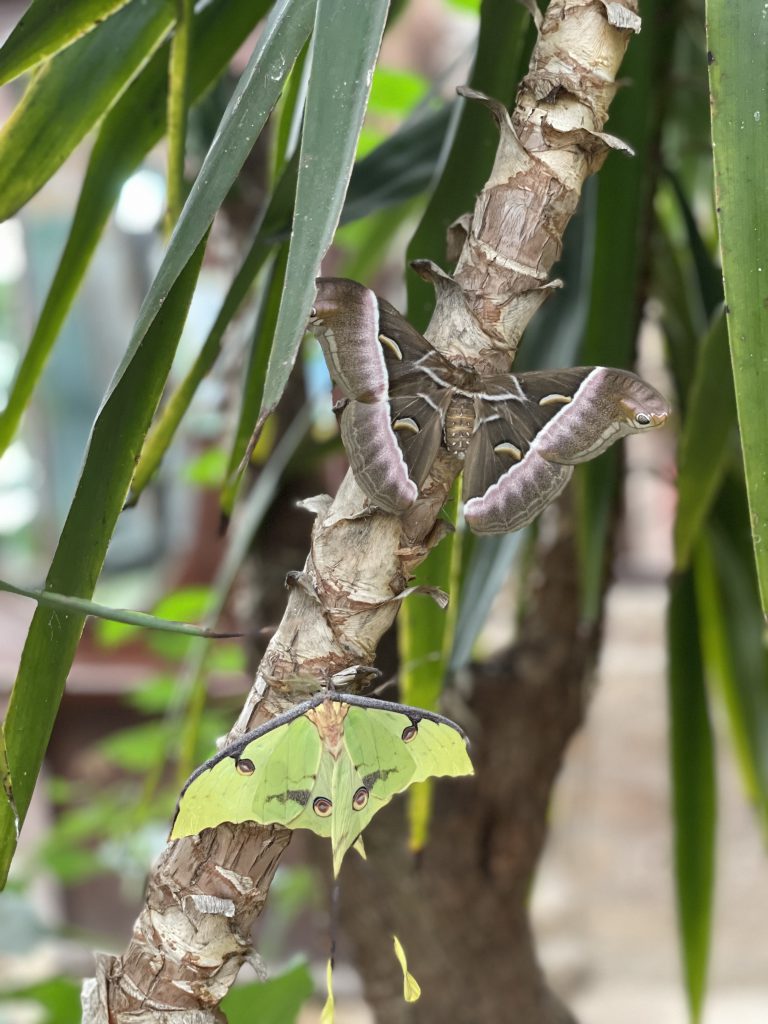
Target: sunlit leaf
{"type": "Point", "coordinates": [411, 987]}
{"type": "Point", "coordinates": [42, 131]}
{"type": "Point", "coordinates": [327, 1014]}
{"type": "Point", "coordinates": [59, 999]}
{"type": "Point", "coordinates": [396, 91]}
{"type": "Point", "coordinates": [46, 27]}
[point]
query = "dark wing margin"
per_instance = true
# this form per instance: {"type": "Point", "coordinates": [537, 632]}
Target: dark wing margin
{"type": "Point", "coordinates": [375, 456]}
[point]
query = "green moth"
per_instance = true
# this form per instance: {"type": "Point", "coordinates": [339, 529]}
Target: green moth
{"type": "Point", "coordinates": [328, 765]}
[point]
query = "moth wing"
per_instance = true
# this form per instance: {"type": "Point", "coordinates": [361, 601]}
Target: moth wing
{"type": "Point", "coordinates": [518, 496]}
{"type": "Point", "coordinates": [510, 473]}
{"type": "Point", "coordinates": [417, 423]}
{"type": "Point", "coordinates": [346, 822]}
{"type": "Point", "coordinates": [503, 434]}
{"type": "Point", "coordinates": [346, 323]}
{"type": "Point", "coordinates": [409, 348]}
{"type": "Point", "coordinates": [437, 748]}
{"type": "Point", "coordinates": [391, 749]}
{"type": "Point", "coordinates": [285, 764]}
{"type": "Point", "coordinates": [597, 406]}
{"type": "Point", "coordinates": [375, 456]}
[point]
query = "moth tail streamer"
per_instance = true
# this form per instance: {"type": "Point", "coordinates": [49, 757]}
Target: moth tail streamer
{"type": "Point", "coordinates": [327, 1015]}
{"type": "Point", "coordinates": [411, 987]}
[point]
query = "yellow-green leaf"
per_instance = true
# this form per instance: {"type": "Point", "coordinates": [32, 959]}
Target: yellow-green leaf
{"type": "Point", "coordinates": [411, 987]}
{"type": "Point", "coordinates": [46, 27]}
{"type": "Point", "coordinates": [93, 72]}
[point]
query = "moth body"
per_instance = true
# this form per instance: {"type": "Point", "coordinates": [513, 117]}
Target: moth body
{"type": "Point", "coordinates": [517, 435]}
{"type": "Point", "coordinates": [327, 765]}
{"type": "Point", "coordinates": [459, 425]}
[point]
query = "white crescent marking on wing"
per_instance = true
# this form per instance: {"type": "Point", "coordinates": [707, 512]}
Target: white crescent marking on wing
{"type": "Point", "coordinates": [555, 399]}
{"type": "Point", "coordinates": [392, 345]}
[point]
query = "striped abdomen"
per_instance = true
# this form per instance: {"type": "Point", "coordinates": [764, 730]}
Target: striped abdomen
{"type": "Point", "coordinates": [459, 424]}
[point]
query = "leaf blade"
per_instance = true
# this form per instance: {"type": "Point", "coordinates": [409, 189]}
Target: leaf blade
{"type": "Point", "coordinates": [47, 27]}
{"type": "Point", "coordinates": [280, 43]}
{"type": "Point", "coordinates": [42, 132]}
{"type": "Point", "coordinates": [346, 42]}
{"type": "Point", "coordinates": [706, 439]}
{"type": "Point", "coordinates": [79, 605]}
{"type": "Point", "coordinates": [625, 191]}
{"type": "Point", "coordinates": [693, 787]}
{"type": "Point", "coordinates": [739, 100]}
{"type": "Point", "coordinates": [53, 637]}
{"type": "Point", "coordinates": [130, 130]}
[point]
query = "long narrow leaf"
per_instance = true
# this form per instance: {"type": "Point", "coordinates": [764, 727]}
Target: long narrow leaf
{"type": "Point", "coordinates": [46, 27]}
{"type": "Point", "coordinates": [625, 189]}
{"type": "Point", "coordinates": [488, 567]}
{"type": "Point", "coordinates": [733, 636]}
{"type": "Point", "coordinates": [42, 131]}
{"type": "Point", "coordinates": [394, 172]}
{"type": "Point", "coordinates": [708, 275]}
{"type": "Point", "coordinates": [425, 633]}
{"type": "Point", "coordinates": [191, 693]}
{"type": "Point", "coordinates": [280, 43]}
{"type": "Point", "coordinates": [345, 46]}
{"type": "Point", "coordinates": [253, 384]}
{"type": "Point", "coordinates": [276, 218]}
{"type": "Point", "coordinates": [178, 107]}
{"type": "Point", "coordinates": [739, 104]}
{"type": "Point", "coordinates": [401, 167]}
{"type": "Point", "coordinates": [53, 636]}
{"type": "Point", "coordinates": [706, 440]}
{"type": "Point", "coordinates": [693, 787]}
{"type": "Point", "coordinates": [80, 606]}
{"type": "Point", "coordinates": [425, 639]}
{"type": "Point", "coordinates": [131, 129]}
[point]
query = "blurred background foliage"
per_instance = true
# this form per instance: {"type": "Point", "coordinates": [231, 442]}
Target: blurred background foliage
{"type": "Point", "coordinates": [93, 237]}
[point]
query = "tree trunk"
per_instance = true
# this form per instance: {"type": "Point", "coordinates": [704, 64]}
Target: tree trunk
{"type": "Point", "coordinates": [203, 896]}
{"type": "Point", "coordinates": [461, 912]}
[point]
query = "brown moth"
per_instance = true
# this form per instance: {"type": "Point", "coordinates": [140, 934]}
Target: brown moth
{"type": "Point", "coordinates": [518, 435]}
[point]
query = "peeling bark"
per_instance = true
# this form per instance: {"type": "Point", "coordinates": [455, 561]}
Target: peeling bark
{"type": "Point", "coordinates": [193, 933]}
